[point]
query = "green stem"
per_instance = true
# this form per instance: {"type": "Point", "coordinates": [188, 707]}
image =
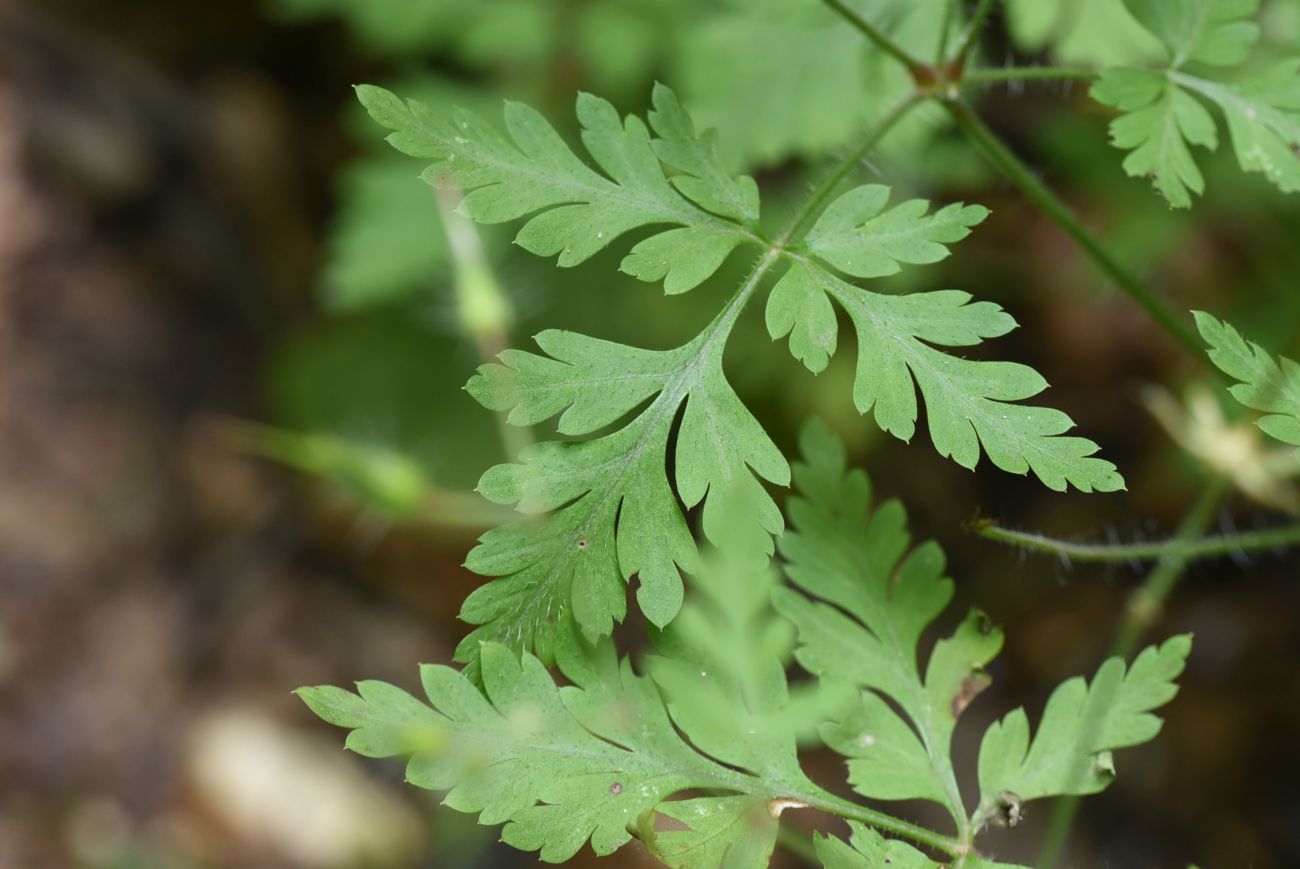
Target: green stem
{"type": "Point", "coordinates": [823, 191]}
{"type": "Point", "coordinates": [915, 66]}
{"type": "Point", "coordinates": [945, 30]}
{"type": "Point", "coordinates": [1189, 543]}
{"type": "Point", "coordinates": [991, 75]}
{"type": "Point", "coordinates": [483, 311]}
{"type": "Point", "coordinates": [833, 805]}
{"type": "Point", "coordinates": [1189, 550]}
{"type": "Point", "coordinates": [1019, 174]}
{"type": "Point", "coordinates": [465, 511]}
{"type": "Point", "coordinates": [972, 32]}
{"type": "Point", "coordinates": [1144, 607]}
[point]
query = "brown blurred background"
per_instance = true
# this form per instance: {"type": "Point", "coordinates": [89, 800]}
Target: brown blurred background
{"type": "Point", "coordinates": [176, 181]}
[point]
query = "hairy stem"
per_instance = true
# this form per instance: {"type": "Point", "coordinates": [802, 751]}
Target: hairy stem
{"type": "Point", "coordinates": [1175, 547]}
{"type": "Point", "coordinates": [833, 805]}
{"type": "Point", "coordinates": [1147, 601]}
{"type": "Point", "coordinates": [812, 205]}
{"type": "Point", "coordinates": [1019, 174]}
{"type": "Point", "coordinates": [992, 75]}
{"type": "Point", "coordinates": [1143, 609]}
{"type": "Point", "coordinates": [915, 66]}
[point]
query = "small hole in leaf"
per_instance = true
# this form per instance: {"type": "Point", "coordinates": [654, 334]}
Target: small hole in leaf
{"type": "Point", "coordinates": [616, 788]}
{"type": "Point", "coordinates": [582, 542]}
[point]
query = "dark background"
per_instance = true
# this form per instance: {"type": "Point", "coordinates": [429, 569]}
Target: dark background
{"type": "Point", "coordinates": [192, 235]}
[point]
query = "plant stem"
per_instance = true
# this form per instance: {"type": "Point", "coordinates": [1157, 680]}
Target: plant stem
{"type": "Point", "coordinates": [1026, 73]}
{"type": "Point", "coordinates": [915, 66]}
{"type": "Point", "coordinates": [483, 311]}
{"type": "Point", "coordinates": [833, 805]}
{"type": "Point", "coordinates": [1190, 550]}
{"type": "Point", "coordinates": [972, 32]}
{"type": "Point", "coordinates": [827, 186]}
{"type": "Point", "coordinates": [1148, 600]}
{"type": "Point", "coordinates": [1143, 608]}
{"type": "Point", "coordinates": [1019, 174]}
{"type": "Point", "coordinates": [945, 30]}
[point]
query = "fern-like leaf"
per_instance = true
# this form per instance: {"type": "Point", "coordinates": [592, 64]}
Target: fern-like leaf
{"type": "Point", "coordinates": [1163, 115]}
{"type": "Point", "coordinates": [968, 402]}
{"type": "Point", "coordinates": [576, 211]}
{"type": "Point", "coordinates": [699, 756]}
{"type": "Point", "coordinates": [612, 512]}
{"type": "Point", "coordinates": [1265, 384]}
{"type": "Point", "coordinates": [1081, 725]}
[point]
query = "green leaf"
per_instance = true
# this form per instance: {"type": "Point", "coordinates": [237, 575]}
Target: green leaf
{"type": "Point", "coordinates": [1263, 114]}
{"type": "Point", "coordinates": [486, 35]}
{"type": "Point", "coordinates": [1096, 33]}
{"type": "Point", "coordinates": [596, 760]}
{"type": "Point", "coordinates": [704, 179]}
{"type": "Point", "coordinates": [856, 235]}
{"type": "Point", "coordinates": [1162, 110]}
{"type": "Point", "coordinates": [575, 210]}
{"type": "Point", "coordinates": [869, 850]}
{"type": "Point", "coordinates": [787, 80]}
{"type": "Point", "coordinates": [1081, 725]}
{"type": "Point", "coordinates": [968, 402]}
{"type": "Point", "coordinates": [876, 599]}
{"type": "Point", "coordinates": [386, 243]}
{"type": "Point", "coordinates": [719, 833]}
{"type": "Point", "coordinates": [723, 662]}
{"type": "Point", "coordinates": [1161, 121]}
{"type": "Point", "coordinates": [715, 723]}
{"type": "Point", "coordinates": [1265, 384]}
{"type": "Point", "coordinates": [556, 766]}
{"type": "Point", "coordinates": [1213, 32]}
{"type": "Point", "coordinates": [614, 512]}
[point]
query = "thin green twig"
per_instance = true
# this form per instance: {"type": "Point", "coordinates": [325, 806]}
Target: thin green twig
{"type": "Point", "coordinates": [914, 64]}
{"type": "Point", "coordinates": [945, 30]}
{"type": "Point", "coordinates": [1019, 174]}
{"type": "Point", "coordinates": [1177, 546]}
{"type": "Point", "coordinates": [995, 74]}
{"type": "Point", "coordinates": [1144, 608]}
{"type": "Point", "coordinates": [972, 32]}
{"type": "Point", "coordinates": [818, 197]}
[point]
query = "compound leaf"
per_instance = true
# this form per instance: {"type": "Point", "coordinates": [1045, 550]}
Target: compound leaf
{"type": "Point", "coordinates": [557, 766]}
{"type": "Point", "coordinates": [1081, 725]}
{"type": "Point", "coordinates": [575, 210]}
{"type": "Point", "coordinates": [856, 235]}
{"type": "Point", "coordinates": [1271, 386]}
{"type": "Point", "coordinates": [1213, 32]}
{"type": "Point", "coordinates": [1162, 113]}
{"type": "Point", "coordinates": [612, 510]}
{"type": "Point", "coordinates": [719, 833]}
{"type": "Point", "coordinates": [875, 600]}
{"type": "Point", "coordinates": [1161, 122]}
{"type": "Point", "coordinates": [968, 402]}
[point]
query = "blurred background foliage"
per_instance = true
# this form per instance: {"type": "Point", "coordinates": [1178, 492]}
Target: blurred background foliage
{"type": "Point", "coordinates": [237, 455]}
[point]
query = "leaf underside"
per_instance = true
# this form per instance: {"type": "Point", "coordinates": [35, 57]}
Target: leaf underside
{"type": "Point", "coordinates": [663, 429]}
{"type": "Point", "coordinates": [1163, 110]}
